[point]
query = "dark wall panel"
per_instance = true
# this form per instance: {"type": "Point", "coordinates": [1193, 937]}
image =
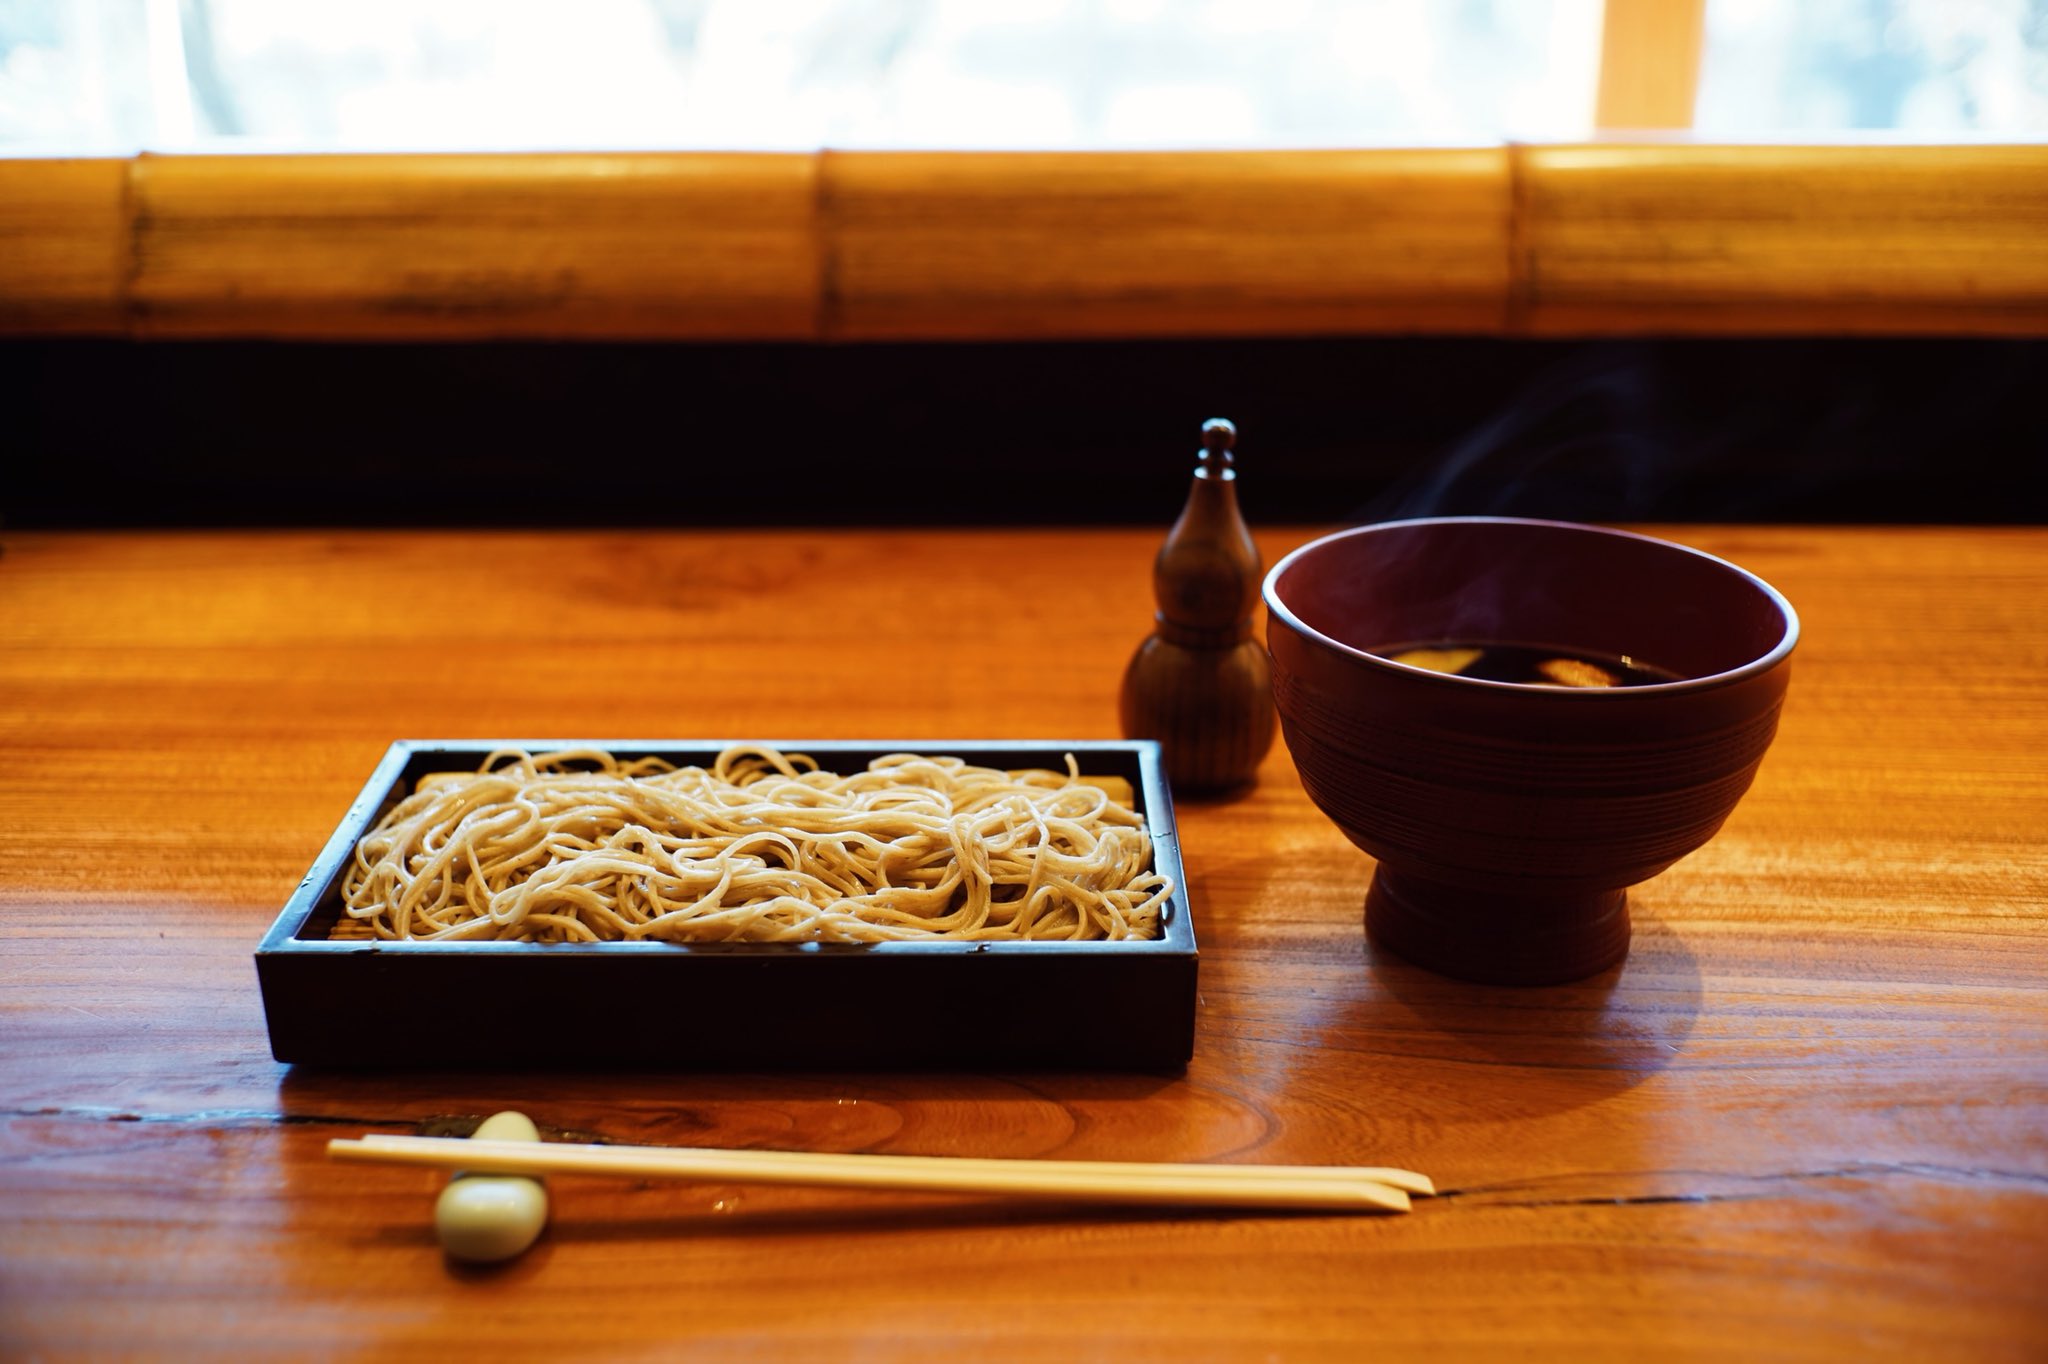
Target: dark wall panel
{"type": "Point", "coordinates": [102, 433]}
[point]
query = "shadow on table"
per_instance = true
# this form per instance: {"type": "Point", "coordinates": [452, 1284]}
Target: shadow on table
{"type": "Point", "coordinates": [792, 1110]}
{"type": "Point", "coordinates": [589, 1213]}
{"type": "Point", "coordinates": [1551, 1047]}
{"type": "Point", "coordinates": [1015, 1115]}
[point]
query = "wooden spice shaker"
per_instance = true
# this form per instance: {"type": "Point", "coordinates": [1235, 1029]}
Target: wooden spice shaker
{"type": "Point", "coordinates": [1201, 684]}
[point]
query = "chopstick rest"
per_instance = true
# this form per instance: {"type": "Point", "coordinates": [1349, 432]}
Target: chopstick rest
{"type": "Point", "coordinates": [1330, 1188]}
{"type": "Point", "coordinates": [485, 1217]}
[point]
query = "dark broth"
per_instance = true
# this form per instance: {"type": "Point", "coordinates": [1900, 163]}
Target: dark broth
{"type": "Point", "coordinates": [1531, 665]}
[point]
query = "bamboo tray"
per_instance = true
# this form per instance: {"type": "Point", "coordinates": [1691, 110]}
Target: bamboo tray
{"type": "Point", "coordinates": [364, 1004]}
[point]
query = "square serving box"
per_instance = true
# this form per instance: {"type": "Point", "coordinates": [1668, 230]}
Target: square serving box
{"type": "Point", "coordinates": [720, 1006]}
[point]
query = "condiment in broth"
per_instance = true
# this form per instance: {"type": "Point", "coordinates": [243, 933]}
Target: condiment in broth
{"type": "Point", "coordinates": [1528, 664]}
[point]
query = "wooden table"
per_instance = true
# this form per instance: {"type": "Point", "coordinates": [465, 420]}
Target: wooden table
{"type": "Point", "coordinates": [1808, 1118]}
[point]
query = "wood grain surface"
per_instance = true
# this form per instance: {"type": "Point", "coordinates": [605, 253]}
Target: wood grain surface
{"type": "Point", "coordinates": [1807, 1119]}
{"type": "Point", "coordinates": [1622, 236]}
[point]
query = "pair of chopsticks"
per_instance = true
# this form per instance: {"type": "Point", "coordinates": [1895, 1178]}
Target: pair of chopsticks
{"type": "Point", "coordinates": [1327, 1187]}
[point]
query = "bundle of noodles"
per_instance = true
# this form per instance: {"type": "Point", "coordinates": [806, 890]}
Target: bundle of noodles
{"type": "Point", "coordinates": [577, 846]}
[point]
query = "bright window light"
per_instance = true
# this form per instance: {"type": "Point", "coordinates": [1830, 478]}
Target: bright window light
{"type": "Point", "coordinates": [116, 76]}
{"type": "Point", "coordinates": [1932, 67]}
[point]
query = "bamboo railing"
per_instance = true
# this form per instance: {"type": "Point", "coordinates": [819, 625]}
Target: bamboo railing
{"type": "Point", "coordinates": [1670, 238]}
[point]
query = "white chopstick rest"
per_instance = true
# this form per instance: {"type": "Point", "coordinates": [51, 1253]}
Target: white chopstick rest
{"type": "Point", "coordinates": [489, 1217]}
{"type": "Point", "coordinates": [1245, 1186]}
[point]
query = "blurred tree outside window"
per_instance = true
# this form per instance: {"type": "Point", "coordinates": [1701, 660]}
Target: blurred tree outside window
{"type": "Point", "coordinates": [1933, 67]}
{"type": "Point", "coordinates": [111, 77]}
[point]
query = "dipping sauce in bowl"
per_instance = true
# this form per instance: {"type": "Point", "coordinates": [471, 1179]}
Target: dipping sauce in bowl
{"type": "Point", "coordinates": [1519, 719]}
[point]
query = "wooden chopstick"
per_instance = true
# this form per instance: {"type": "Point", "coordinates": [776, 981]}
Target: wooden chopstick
{"type": "Point", "coordinates": [1270, 1186]}
{"type": "Point", "coordinates": [1408, 1180]}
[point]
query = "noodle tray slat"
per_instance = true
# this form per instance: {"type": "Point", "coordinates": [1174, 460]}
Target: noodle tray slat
{"type": "Point", "coordinates": [335, 995]}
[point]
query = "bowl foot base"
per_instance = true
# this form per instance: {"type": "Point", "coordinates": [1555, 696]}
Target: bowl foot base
{"type": "Point", "coordinates": [1496, 939]}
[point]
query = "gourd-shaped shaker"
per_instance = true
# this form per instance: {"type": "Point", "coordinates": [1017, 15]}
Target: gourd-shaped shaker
{"type": "Point", "coordinates": [1201, 684]}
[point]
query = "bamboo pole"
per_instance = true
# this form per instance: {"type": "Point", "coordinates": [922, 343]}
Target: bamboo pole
{"type": "Point", "coordinates": [64, 236]}
{"type": "Point", "coordinates": [1671, 238]}
{"type": "Point", "coordinates": [680, 246]}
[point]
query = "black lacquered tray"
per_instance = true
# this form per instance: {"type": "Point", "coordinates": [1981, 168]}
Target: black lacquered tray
{"type": "Point", "coordinates": [356, 1003]}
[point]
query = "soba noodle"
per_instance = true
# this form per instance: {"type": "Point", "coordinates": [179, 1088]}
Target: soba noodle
{"type": "Point", "coordinates": [761, 846]}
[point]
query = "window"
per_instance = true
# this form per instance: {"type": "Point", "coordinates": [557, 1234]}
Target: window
{"type": "Point", "coordinates": [1935, 67]}
{"type": "Point", "coordinates": [116, 76]}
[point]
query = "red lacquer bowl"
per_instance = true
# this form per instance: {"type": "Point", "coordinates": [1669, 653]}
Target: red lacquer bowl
{"type": "Point", "coordinates": [1508, 820]}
